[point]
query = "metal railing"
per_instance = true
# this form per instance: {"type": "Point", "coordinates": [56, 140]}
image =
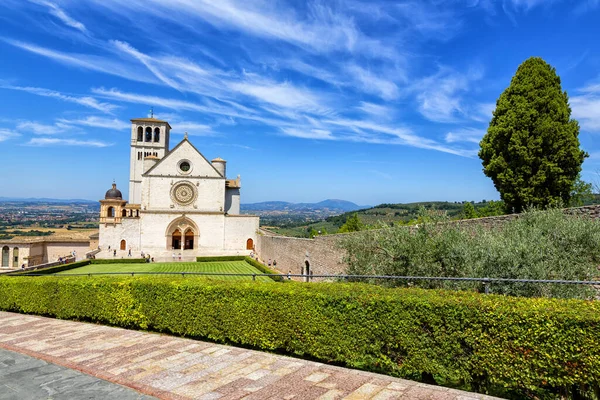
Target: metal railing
{"type": "Point", "coordinates": [485, 281]}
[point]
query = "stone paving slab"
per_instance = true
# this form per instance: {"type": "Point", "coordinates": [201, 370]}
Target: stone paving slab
{"type": "Point", "coordinates": [27, 378]}
{"type": "Point", "coordinates": [171, 367]}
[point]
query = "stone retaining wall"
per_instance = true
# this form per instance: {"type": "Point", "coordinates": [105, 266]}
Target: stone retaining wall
{"type": "Point", "coordinates": [324, 255]}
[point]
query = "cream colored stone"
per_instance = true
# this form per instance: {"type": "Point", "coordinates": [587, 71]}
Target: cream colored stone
{"type": "Point", "coordinates": [205, 204]}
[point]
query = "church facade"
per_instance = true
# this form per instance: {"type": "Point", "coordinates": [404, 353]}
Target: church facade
{"type": "Point", "coordinates": [179, 202]}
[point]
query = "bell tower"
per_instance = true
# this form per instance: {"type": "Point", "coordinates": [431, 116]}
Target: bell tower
{"type": "Point", "coordinates": [149, 137]}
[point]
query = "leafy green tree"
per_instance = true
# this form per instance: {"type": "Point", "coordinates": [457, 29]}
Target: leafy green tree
{"type": "Point", "coordinates": [468, 210]}
{"type": "Point", "coordinates": [352, 224]}
{"type": "Point", "coordinates": [531, 148]}
{"type": "Point", "coordinates": [581, 192]}
{"type": "Point", "coordinates": [491, 208]}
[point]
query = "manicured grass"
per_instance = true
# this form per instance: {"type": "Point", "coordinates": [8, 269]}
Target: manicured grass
{"type": "Point", "coordinates": [224, 267]}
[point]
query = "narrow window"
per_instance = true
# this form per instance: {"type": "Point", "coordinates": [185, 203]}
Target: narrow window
{"type": "Point", "coordinates": [140, 134]}
{"type": "Point", "coordinates": [156, 134]}
{"type": "Point", "coordinates": [148, 134]}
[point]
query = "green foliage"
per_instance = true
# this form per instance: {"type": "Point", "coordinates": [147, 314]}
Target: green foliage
{"type": "Point", "coordinates": [536, 245]}
{"type": "Point", "coordinates": [352, 224]}
{"type": "Point", "coordinates": [581, 192]}
{"type": "Point", "coordinates": [492, 208]}
{"type": "Point", "coordinates": [469, 211]}
{"type": "Point", "coordinates": [118, 261]}
{"type": "Point", "coordinates": [511, 347]}
{"type": "Point", "coordinates": [220, 258]}
{"type": "Point", "coordinates": [531, 149]}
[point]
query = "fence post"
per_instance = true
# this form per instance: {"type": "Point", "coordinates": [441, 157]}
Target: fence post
{"type": "Point", "coordinates": [253, 277]}
{"type": "Point", "coordinates": [486, 286]}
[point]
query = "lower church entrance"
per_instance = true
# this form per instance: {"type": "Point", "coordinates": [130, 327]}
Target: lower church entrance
{"type": "Point", "coordinates": [182, 234]}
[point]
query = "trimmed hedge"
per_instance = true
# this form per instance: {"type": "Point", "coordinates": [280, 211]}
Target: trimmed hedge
{"type": "Point", "coordinates": [118, 261]}
{"type": "Point", "coordinates": [220, 258]}
{"type": "Point", "coordinates": [69, 266]}
{"type": "Point", "coordinates": [262, 268]}
{"type": "Point", "coordinates": [506, 346]}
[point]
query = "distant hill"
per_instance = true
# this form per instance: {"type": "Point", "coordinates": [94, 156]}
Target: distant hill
{"type": "Point", "coordinates": [330, 205]}
{"type": "Point", "coordinates": [45, 200]}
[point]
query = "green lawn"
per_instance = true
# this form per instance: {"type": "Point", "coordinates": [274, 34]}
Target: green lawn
{"type": "Point", "coordinates": [225, 267]}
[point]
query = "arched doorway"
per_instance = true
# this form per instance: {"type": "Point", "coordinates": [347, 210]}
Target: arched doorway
{"type": "Point", "coordinates": [16, 257]}
{"type": "Point", "coordinates": [188, 244]}
{"type": "Point", "coordinates": [5, 256]}
{"type": "Point", "coordinates": [123, 244]}
{"type": "Point", "coordinates": [110, 213]}
{"type": "Point", "coordinates": [182, 234]}
{"type": "Point", "coordinates": [177, 240]}
{"type": "Point", "coordinates": [306, 271]}
{"type": "Point", "coordinates": [249, 244]}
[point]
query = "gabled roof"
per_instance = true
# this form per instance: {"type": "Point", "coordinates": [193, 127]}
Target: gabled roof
{"type": "Point", "coordinates": [174, 150]}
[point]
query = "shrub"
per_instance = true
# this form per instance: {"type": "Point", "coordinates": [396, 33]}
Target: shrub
{"type": "Point", "coordinates": [507, 346]}
{"type": "Point", "coordinates": [536, 245]}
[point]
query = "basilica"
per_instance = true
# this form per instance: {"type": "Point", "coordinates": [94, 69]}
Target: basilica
{"type": "Point", "coordinates": [180, 204]}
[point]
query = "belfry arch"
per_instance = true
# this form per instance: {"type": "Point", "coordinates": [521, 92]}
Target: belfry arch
{"type": "Point", "coordinates": [182, 234]}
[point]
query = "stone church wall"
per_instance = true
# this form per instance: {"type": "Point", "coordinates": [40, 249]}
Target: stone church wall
{"type": "Point", "coordinates": [326, 257]}
{"type": "Point", "coordinates": [128, 230]}
{"type": "Point", "coordinates": [238, 229]}
{"type": "Point", "coordinates": [63, 249]}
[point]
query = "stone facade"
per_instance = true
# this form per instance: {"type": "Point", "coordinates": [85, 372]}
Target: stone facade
{"type": "Point", "coordinates": [30, 252]}
{"type": "Point", "coordinates": [186, 204]}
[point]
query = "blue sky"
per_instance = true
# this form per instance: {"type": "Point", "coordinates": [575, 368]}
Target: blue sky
{"type": "Point", "coordinates": [368, 101]}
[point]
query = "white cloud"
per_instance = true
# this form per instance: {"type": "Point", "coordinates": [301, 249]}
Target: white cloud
{"type": "Point", "coordinates": [376, 110]}
{"type": "Point", "coordinates": [85, 101]}
{"type": "Point", "coordinates": [6, 134]}
{"type": "Point", "coordinates": [61, 14]}
{"type": "Point", "coordinates": [586, 109]}
{"type": "Point", "coordinates": [97, 122]}
{"type": "Point", "coordinates": [192, 128]}
{"type": "Point", "coordinates": [86, 61]}
{"type": "Point", "coordinates": [41, 129]}
{"type": "Point", "coordinates": [371, 83]}
{"type": "Point", "coordinates": [309, 133]}
{"type": "Point", "coordinates": [281, 94]}
{"type": "Point", "coordinates": [440, 96]}
{"type": "Point", "coordinates": [469, 135]}
{"type": "Point", "coordinates": [44, 142]}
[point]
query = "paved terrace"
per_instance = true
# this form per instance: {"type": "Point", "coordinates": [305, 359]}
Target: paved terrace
{"type": "Point", "coordinates": [170, 367]}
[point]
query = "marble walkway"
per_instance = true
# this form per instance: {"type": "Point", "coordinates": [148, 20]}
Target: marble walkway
{"type": "Point", "coordinates": [170, 367]}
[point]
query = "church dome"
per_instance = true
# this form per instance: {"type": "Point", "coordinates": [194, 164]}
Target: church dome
{"type": "Point", "coordinates": [114, 193]}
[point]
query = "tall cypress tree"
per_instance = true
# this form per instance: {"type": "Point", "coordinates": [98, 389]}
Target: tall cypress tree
{"type": "Point", "coordinates": [531, 148]}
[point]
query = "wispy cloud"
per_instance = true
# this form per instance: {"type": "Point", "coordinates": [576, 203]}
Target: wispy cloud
{"type": "Point", "coordinates": [192, 128]}
{"type": "Point", "coordinates": [439, 96]}
{"type": "Point", "coordinates": [41, 129]}
{"type": "Point", "coordinates": [370, 82]}
{"type": "Point", "coordinates": [6, 134]}
{"type": "Point", "coordinates": [309, 133]}
{"type": "Point", "coordinates": [376, 110]}
{"type": "Point", "coordinates": [44, 142]}
{"type": "Point", "coordinates": [86, 61]}
{"type": "Point", "coordinates": [97, 122]}
{"type": "Point", "coordinates": [586, 109]}
{"type": "Point", "coordinates": [469, 135]}
{"type": "Point", "coordinates": [61, 15]}
{"type": "Point", "coordinates": [85, 101]}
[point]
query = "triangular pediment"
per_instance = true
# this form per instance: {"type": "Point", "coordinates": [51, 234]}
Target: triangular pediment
{"type": "Point", "coordinates": [170, 164]}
